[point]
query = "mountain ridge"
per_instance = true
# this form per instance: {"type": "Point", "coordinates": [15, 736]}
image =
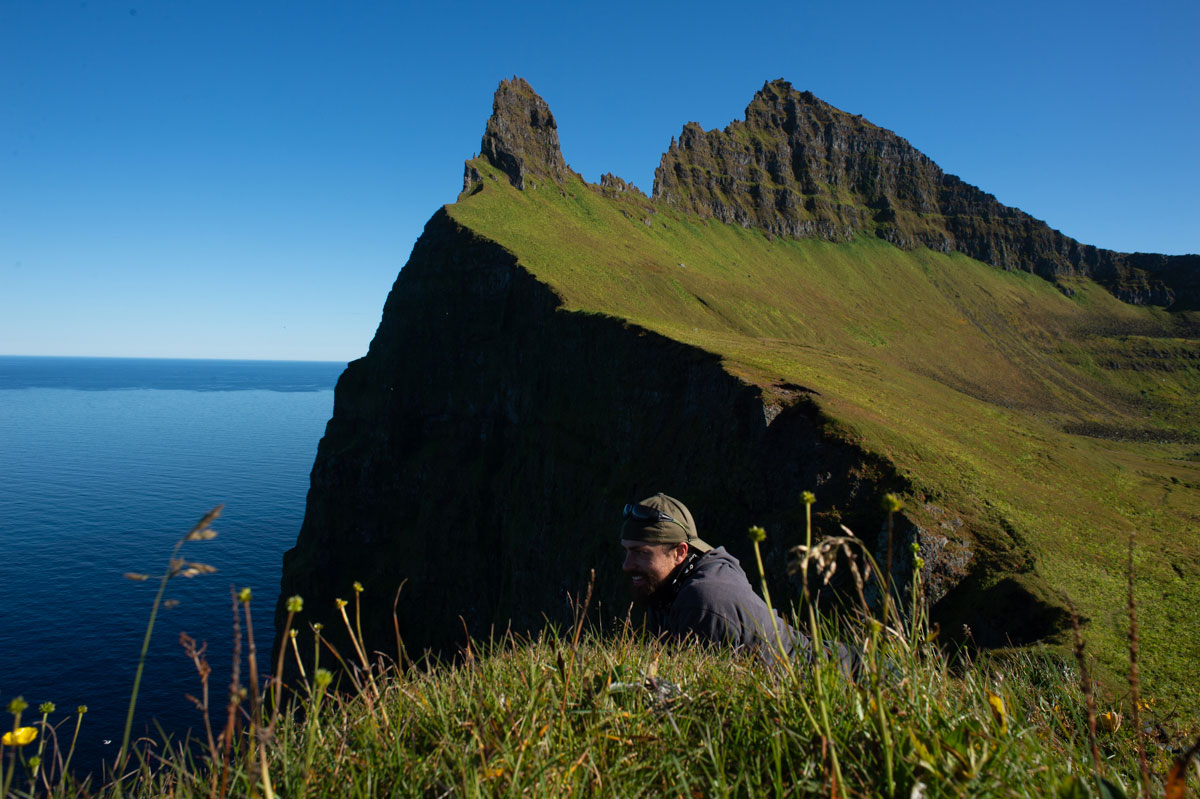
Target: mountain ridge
{"type": "Point", "coordinates": [798, 167]}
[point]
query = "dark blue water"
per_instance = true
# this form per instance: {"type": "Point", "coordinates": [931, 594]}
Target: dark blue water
{"type": "Point", "coordinates": [104, 465]}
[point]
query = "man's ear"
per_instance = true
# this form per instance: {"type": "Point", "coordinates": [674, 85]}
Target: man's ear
{"type": "Point", "coordinates": [680, 552]}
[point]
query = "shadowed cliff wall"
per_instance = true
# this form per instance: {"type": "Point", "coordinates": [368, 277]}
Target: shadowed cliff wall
{"type": "Point", "coordinates": [483, 448]}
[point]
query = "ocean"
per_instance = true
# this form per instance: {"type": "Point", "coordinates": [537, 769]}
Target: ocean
{"type": "Point", "coordinates": [104, 464]}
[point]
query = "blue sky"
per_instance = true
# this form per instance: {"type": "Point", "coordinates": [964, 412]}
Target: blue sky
{"type": "Point", "coordinates": [245, 179]}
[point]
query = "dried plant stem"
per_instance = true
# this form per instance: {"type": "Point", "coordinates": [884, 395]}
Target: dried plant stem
{"type": "Point", "coordinates": [235, 699]}
{"type": "Point", "coordinates": [401, 654]}
{"type": "Point", "coordinates": [580, 617]}
{"type": "Point", "coordinates": [202, 667]}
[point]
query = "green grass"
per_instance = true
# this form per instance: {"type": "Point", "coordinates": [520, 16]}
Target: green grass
{"type": "Point", "coordinates": [1052, 425]}
{"type": "Point", "coordinates": [601, 710]}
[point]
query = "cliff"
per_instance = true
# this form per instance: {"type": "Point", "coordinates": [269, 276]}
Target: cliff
{"type": "Point", "coordinates": [554, 349]}
{"type": "Point", "coordinates": [799, 167]}
{"type": "Point", "coordinates": [482, 450]}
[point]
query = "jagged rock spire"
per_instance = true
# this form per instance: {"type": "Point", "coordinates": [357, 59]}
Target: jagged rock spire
{"type": "Point", "coordinates": [521, 137]}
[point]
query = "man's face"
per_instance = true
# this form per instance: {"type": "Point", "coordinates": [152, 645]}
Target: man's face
{"type": "Point", "coordinates": [649, 566]}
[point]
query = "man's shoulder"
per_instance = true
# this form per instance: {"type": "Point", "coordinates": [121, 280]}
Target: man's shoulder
{"type": "Point", "coordinates": [717, 578]}
{"type": "Point", "coordinates": [717, 566]}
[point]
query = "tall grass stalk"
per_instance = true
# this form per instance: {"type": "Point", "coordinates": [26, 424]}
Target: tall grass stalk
{"type": "Point", "coordinates": [175, 566]}
{"type": "Point", "coordinates": [66, 767]}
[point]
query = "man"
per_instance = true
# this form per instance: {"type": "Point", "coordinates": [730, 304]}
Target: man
{"type": "Point", "coordinates": [692, 590]}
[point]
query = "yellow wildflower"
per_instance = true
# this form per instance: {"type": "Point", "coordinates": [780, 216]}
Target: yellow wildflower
{"type": "Point", "coordinates": [998, 711]}
{"type": "Point", "coordinates": [19, 737]}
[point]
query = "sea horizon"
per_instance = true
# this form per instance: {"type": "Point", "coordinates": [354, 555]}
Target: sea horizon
{"type": "Point", "coordinates": [105, 464]}
{"type": "Point", "coordinates": [171, 358]}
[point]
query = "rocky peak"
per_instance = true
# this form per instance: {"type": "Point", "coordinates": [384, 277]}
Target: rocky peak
{"type": "Point", "coordinates": [798, 167]}
{"type": "Point", "coordinates": [521, 137]}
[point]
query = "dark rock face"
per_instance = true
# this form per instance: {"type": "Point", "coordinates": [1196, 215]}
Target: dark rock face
{"type": "Point", "coordinates": [799, 167]}
{"type": "Point", "coordinates": [483, 448]}
{"type": "Point", "coordinates": [521, 137]}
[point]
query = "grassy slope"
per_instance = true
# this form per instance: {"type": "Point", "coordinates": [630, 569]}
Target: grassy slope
{"type": "Point", "coordinates": [962, 375]}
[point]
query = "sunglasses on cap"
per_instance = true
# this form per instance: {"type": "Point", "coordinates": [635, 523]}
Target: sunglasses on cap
{"type": "Point", "coordinates": [644, 513]}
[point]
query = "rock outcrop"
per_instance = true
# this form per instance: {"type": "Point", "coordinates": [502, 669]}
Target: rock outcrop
{"type": "Point", "coordinates": [799, 167]}
{"type": "Point", "coordinates": [521, 138]}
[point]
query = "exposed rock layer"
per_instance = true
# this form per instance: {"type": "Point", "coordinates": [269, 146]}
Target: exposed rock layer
{"type": "Point", "coordinates": [800, 167]}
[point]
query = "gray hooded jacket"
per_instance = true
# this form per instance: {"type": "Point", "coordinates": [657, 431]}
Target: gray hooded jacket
{"type": "Point", "coordinates": [711, 600]}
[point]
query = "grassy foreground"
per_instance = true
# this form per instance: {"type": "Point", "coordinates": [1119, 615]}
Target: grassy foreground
{"type": "Point", "coordinates": [601, 710]}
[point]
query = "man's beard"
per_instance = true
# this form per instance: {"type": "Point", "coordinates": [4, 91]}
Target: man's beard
{"type": "Point", "coordinates": [649, 589]}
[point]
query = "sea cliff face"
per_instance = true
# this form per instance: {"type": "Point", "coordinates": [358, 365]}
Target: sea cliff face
{"type": "Point", "coordinates": [481, 452]}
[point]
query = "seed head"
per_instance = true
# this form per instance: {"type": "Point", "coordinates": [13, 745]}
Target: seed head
{"type": "Point", "coordinates": [358, 589]}
{"type": "Point", "coordinates": [81, 709]}
{"type": "Point", "coordinates": [324, 677]}
{"type": "Point", "coordinates": [808, 497]}
{"type": "Point", "coordinates": [17, 705]}
{"type": "Point", "coordinates": [318, 627]}
{"type": "Point", "coordinates": [892, 503]}
{"type": "Point", "coordinates": [341, 603]}
{"type": "Point", "coordinates": [914, 548]}
{"type": "Point", "coordinates": [46, 708]}
{"type": "Point", "coordinates": [244, 595]}
{"type": "Point", "coordinates": [757, 534]}
{"type": "Point", "coordinates": [295, 604]}
{"type": "Point", "coordinates": [292, 633]}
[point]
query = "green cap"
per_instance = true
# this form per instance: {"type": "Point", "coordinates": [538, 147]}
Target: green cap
{"type": "Point", "coordinates": [661, 520]}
